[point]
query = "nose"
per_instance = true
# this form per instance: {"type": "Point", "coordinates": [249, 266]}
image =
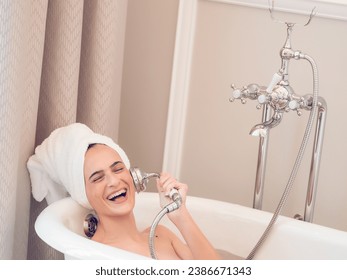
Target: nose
{"type": "Point", "coordinates": [113, 179]}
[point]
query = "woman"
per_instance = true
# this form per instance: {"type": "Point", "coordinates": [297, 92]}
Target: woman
{"type": "Point", "coordinates": [94, 171]}
{"type": "Point", "coordinates": [111, 192]}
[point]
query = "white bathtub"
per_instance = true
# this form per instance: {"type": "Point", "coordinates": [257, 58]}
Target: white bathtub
{"type": "Point", "coordinates": [232, 228]}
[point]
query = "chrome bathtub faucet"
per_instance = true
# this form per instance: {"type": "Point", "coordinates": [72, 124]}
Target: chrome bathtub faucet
{"type": "Point", "coordinates": [279, 95]}
{"type": "Point", "coordinates": [276, 99]}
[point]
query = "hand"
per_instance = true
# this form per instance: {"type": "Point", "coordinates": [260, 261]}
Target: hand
{"type": "Point", "coordinates": [197, 245]}
{"type": "Point", "coordinates": [165, 184]}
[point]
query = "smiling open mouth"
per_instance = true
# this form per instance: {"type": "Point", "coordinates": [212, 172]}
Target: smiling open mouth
{"type": "Point", "coordinates": [117, 195]}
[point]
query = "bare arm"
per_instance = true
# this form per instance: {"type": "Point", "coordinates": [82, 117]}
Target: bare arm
{"type": "Point", "coordinates": [197, 243]}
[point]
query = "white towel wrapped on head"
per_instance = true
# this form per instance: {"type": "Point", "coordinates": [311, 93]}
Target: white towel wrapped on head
{"type": "Point", "coordinates": [56, 168]}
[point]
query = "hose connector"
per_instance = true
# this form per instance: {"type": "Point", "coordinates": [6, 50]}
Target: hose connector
{"type": "Point", "coordinates": [176, 201]}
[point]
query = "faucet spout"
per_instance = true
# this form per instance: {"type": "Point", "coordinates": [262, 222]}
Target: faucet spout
{"type": "Point", "coordinates": [262, 129]}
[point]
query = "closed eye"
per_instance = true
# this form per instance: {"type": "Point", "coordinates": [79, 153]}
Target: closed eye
{"type": "Point", "coordinates": [117, 167]}
{"type": "Point", "coordinates": [97, 177]}
{"type": "Point", "coordinates": [117, 170]}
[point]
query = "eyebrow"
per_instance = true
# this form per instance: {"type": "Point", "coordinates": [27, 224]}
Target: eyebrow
{"type": "Point", "coordinates": [101, 171]}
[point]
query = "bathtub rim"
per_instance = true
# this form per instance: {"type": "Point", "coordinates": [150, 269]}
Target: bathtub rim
{"type": "Point", "coordinates": [53, 218]}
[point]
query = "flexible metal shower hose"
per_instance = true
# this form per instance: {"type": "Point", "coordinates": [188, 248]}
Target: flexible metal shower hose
{"type": "Point", "coordinates": [154, 225]}
{"type": "Point", "coordinates": [297, 161]}
{"type": "Point", "coordinates": [174, 205]}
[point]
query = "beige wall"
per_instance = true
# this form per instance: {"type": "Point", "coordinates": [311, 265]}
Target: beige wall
{"type": "Point", "coordinates": [149, 46]}
{"type": "Point", "coordinates": [235, 44]}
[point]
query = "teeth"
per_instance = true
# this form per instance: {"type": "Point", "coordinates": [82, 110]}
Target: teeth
{"type": "Point", "coordinates": [116, 194]}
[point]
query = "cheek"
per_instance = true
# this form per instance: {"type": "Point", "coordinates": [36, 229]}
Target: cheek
{"type": "Point", "coordinates": [92, 193]}
{"type": "Point", "coordinates": [88, 193]}
{"type": "Point", "coordinates": [128, 179]}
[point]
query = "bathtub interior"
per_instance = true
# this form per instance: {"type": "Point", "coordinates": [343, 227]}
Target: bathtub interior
{"type": "Point", "coordinates": [234, 229]}
{"type": "Point", "coordinates": [60, 225]}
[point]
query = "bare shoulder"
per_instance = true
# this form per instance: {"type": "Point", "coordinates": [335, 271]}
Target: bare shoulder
{"type": "Point", "coordinates": [165, 234]}
{"type": "Point", "coordinates": [162, 231]}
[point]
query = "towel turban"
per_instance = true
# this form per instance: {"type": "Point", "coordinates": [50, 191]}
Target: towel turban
{"type": "Point", "coordinates": [56, 168]}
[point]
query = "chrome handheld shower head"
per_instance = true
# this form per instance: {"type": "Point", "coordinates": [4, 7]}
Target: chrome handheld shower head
{"type": "Point", "coordinates": [140, 178]}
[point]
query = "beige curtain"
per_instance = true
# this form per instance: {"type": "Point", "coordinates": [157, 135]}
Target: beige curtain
{"type": "Point", "coordinates": [60, 62]}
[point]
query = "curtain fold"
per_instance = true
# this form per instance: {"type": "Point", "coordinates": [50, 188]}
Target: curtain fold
{"type": "Point", "coordinates": [18, 84]}
{"type": "Point", "coordinates": [58, 91]}
{"type": "Point", "coordinates": [101, 65]}
{"type": "Point", "coordinates": [60, 62]}
{"type": "Point", "coordinates": [33, 55]}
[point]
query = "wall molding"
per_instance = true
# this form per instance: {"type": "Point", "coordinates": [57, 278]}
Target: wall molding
{"type": "Point", "coordinates": [334, 9]}
{"type": "Point", "coordinates": [179, 86]}
{"type": "Point", "coordinates": [180, 81]}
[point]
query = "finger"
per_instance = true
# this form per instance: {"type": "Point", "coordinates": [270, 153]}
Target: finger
{"type": "Point", "coordinates": [166, 185]}
{"type": "Point", "coordinates": [160, 187]}
{"type": "Point", "coordinates": [164, 177]}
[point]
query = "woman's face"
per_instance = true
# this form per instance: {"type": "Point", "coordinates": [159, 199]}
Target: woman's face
{"type": "Point", "coordinates": [109, 186]}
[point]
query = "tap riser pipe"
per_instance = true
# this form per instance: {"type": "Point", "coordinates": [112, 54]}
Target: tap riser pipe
{"type": "Point", "coordinates": [315, 161]}
{"type": "Point", "coordinates": [261, 163]}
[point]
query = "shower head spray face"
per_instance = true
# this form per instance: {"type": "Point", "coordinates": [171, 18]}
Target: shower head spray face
{"type": "Point", "coordinates": [140, 178]}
